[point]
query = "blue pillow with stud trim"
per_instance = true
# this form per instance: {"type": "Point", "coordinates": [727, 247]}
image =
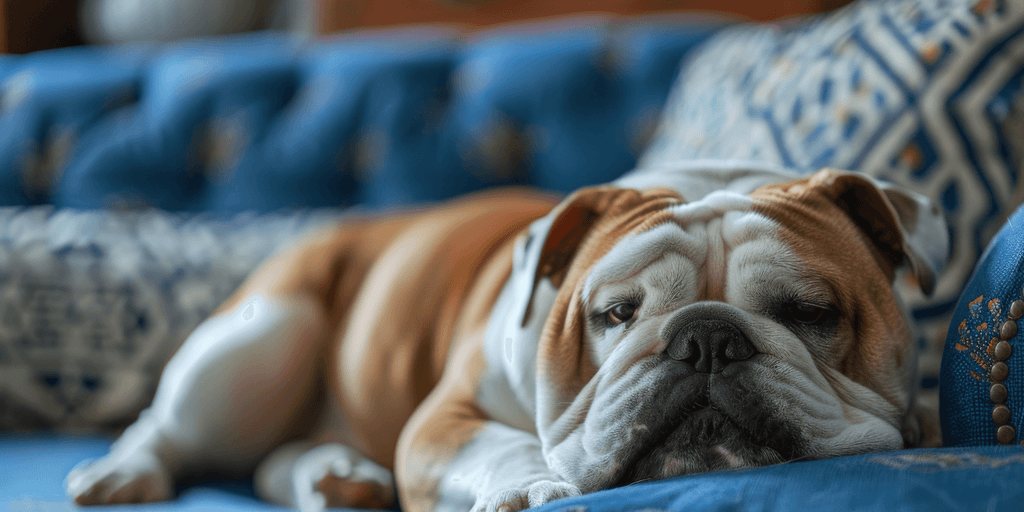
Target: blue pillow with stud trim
{"type": "Point", "coordinates": [981, 391]}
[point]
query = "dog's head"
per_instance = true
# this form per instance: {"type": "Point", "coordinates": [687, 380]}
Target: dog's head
{"type": "Point", "coordinates": [664, 338]}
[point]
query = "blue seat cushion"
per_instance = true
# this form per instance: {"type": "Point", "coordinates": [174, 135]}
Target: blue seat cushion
{"type": "Point", "coordinates": [33, 467]}
{"type": "Point", "coordinates": [32, 470]}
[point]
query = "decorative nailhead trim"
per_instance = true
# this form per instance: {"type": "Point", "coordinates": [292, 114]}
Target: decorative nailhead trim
{"type": "Point", "coordinates": [1016, 309]}
{"type": "Point", "coordinates": [999, 372]}
{"type": "Point", "coordinates": [997, 393]}
{"type": "Point", "coordinates": [1009, 330]}
{"type": "Point", "coordinates": [1003, 351]}
{"type": "Point", "coordinates": [1005, 434]}
{"type": "Point", "coordinates": [1001, 415]}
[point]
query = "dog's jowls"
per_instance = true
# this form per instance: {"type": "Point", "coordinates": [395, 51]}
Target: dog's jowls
{"type": "Point", "coordinates": [505, 350]}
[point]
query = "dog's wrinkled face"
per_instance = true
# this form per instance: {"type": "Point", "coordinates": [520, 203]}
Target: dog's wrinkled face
{"type": "Point", "coordinates": [732, 332]}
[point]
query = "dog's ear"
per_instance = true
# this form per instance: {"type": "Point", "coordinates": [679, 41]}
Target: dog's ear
{"type": "Point", "coordinates": [551, 244]}
{"type": "Point", "coordinates": [571, 221]}
{"type": "Point", "coordinates": [547, 249]}
{"type": "Point", "coordinates": [905, 227]}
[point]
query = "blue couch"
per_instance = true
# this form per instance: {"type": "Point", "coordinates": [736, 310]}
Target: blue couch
{"type": "Point", "coordinates": [268, 123]}
{"type": "Point", "coordinates": [264, 122]}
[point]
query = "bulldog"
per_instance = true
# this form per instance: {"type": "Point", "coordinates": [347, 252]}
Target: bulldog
{"type": "Point", "coordinates": [505, 350]}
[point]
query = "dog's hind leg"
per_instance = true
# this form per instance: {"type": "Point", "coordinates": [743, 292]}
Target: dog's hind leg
{"type": "Point", "coordinates": [235, 389]}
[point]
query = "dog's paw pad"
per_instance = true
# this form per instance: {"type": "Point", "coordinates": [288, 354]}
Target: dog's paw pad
{"type": "Point", "coordinates": [522, 498]}
{"type": "Point", "coordinates": [109, 482]}
{"type": "Point", "coordinates": [334, 475]}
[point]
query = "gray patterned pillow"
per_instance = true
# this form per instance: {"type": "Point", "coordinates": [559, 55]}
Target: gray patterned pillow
{"type": "Point", "coordinates": [93, 303]}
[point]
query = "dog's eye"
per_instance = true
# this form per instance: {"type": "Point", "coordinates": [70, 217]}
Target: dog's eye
{"type": "Point", "coordinates": [807, 314]}
{"type": "Point", "coordinates": [621, 313]}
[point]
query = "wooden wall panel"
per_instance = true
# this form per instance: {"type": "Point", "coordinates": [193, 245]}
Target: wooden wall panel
{"type": "Point", "coordinates": [334, 15]}
{"type": "Point", "coordinates": [30, 25]}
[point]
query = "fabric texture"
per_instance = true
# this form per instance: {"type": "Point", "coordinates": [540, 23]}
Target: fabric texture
{"type": "Point", "coordinates": [93, 303]}
{"type": "Point", "coordinates": [923, 93]}
{"type": "Point", "coordinates": [978, 322]}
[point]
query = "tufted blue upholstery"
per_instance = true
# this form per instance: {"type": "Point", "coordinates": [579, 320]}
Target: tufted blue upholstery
{"type": "Point", "coordinates": [266, 121]}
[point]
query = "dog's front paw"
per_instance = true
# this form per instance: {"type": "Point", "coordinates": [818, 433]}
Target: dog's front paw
{"type": "Point", "coordinates": [109, 481]}
{"type": "Point", "coordinates": [334, 475]}
{"type": "Point", "coordinates": [522, 498]}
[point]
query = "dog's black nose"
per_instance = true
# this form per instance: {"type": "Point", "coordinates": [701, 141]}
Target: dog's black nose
{"type": "Point", "coordinates": [709, 345]}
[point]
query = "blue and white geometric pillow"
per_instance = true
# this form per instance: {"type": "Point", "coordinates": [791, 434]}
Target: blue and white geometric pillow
{"type": "Point", "coordinates": [924, 93]}
{"type": "Point", "coordinates": [93, 303]}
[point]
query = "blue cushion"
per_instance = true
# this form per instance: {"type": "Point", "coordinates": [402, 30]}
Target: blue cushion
{"type": "Point", "coordinates": [971, 347]}
{"type": "Point", "coordinates": [267, 121]}
{"type": "Point", "coordinates": [32, 471]}
{"type": "Point", "coordinates": [926, 480]}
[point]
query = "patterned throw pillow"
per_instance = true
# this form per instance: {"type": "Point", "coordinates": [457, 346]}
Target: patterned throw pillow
{"type": "Point", "coordinates": [93, 303]}
{"type": "Point", "coordinates": [924, 93]}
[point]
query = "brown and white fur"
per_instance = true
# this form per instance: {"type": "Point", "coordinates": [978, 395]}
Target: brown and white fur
{"type": "Point", "coordinates": [480, 350]}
